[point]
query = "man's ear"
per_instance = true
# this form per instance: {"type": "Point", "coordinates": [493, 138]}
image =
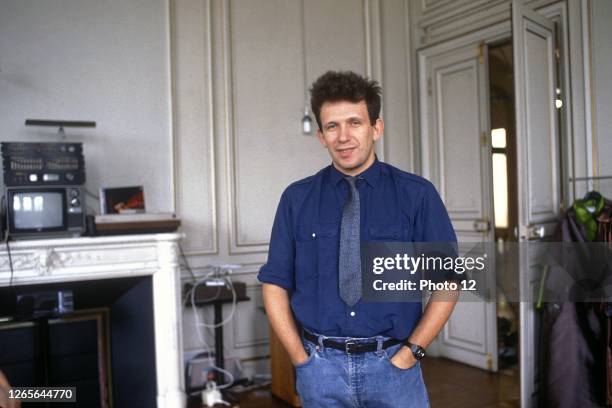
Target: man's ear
{"type": "Point", "coordinates": [379, 127]}
{"type": "Point", "coordinates": [321, 138]}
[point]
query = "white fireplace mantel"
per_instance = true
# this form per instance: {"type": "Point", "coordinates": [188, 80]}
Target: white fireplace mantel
{"type": "Point", "coordinates": [80, 259]}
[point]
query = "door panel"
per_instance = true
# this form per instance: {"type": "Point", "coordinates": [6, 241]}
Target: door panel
{"type": "Point", "coordinates": [454, 105]}
{"type": "Point", "coordinates": [538, 181]}
{"type": "Point", "coordinates": [536, 117]}
{"type": "Point", "coordinates": [458, 126]}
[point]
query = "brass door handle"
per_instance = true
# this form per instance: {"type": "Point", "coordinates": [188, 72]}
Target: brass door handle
{"type": "Point", "coordinates": [482, 225]}
{"type": "Point", "coordinates": [536, 231]}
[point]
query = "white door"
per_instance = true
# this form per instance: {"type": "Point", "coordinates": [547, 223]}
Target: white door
{"type": "Point", "coordinates": [538, 169]}
{"type": "Point", "coordinates": [457, 159]}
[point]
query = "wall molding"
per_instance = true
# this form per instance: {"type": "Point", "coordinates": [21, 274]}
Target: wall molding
{"type": "Point", "coordinates": [373, 67]}
{"type": "Point", "coordinates": [180, 140]}
{"type": "Point", "coordinates": [446, 20]}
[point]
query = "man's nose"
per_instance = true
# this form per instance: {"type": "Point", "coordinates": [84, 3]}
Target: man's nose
{"type": "Point", "coordinates": [344, 134]}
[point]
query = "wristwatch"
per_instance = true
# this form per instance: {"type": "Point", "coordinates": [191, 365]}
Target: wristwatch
{"type": "Point", "coordinates": [417, 351]}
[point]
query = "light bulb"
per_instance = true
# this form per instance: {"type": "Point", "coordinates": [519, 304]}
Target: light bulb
{"type": "Point", "coordinates": [306, 124]}
{"type": "Point", "coordinates": [306, 121]}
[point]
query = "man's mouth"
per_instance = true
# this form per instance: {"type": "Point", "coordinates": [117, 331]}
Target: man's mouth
{"type": "Point", "coordinates": [346, 152]}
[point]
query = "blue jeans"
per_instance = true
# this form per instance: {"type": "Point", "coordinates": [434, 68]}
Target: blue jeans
{"type": "Point", "coordinates": [332, 378]}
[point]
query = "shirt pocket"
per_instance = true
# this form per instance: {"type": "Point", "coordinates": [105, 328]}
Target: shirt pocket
{"type": "Point", "coordinates": [313, 245]}
{"type": "Point", "coordinates": [389, 233]}
{"type": "Point", "coordinates": [311, 232]}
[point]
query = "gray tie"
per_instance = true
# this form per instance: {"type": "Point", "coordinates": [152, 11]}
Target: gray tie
{"type": "Point", "coordinates": [349, 263]}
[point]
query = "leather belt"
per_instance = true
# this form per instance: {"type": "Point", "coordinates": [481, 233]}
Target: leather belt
{"type": "Point", "coordinates": [350, 347]}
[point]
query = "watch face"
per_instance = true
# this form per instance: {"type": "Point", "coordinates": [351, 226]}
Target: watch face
{"type": "Point", "coordinates": [417, 351]}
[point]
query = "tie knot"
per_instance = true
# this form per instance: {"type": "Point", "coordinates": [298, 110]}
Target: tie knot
{"type": "Point", "coordinates": [351, 180]}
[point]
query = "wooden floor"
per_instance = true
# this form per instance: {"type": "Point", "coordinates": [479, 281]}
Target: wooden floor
{"type": "Point", "coordinates": [454, 385]}
{"type": "Point", "coordinates": [450, 385]}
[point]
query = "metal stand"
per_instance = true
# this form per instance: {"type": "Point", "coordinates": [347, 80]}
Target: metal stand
{"type": "Point", "coordinates": [219, 354]}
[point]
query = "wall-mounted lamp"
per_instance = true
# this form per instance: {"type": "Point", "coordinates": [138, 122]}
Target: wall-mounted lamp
{"type": "Point", "coordinates": [61, 124]}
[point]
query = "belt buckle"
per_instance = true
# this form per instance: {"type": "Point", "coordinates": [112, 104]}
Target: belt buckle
{"type": "Point", "coordinates": [347, 346]}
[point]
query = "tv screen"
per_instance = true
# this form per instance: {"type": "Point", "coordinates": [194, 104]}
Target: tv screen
{"type": "Point", "coordinates": [38, 210]}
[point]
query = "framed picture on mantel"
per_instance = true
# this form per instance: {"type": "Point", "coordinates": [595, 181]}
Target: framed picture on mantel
{"type": "Point", "coordinates": [122, 200]}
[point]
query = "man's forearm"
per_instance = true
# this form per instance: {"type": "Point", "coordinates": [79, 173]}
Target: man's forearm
{"type": "Point", "coordinates": [278, 309]}
{"type": "Point", "coordinates": [437, 312]}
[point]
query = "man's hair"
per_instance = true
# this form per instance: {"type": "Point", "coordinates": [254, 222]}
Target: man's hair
{"type": "Point", "coordinates": [334, 86]}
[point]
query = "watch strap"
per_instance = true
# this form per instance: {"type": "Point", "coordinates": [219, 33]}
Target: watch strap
{"type": "Point", "coordinates": [417, 351]}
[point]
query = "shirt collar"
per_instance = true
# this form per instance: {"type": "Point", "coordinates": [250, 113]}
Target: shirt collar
{"type": "Point", "coordinates": [370, 175]}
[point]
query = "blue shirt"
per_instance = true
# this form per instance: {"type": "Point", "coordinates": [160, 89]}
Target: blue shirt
{"type": "Point", "coordinates": [303, 254]}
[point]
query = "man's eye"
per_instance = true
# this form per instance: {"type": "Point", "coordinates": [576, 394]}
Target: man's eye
{"type": "Point", "coordinates": [331, 127]}
{"type": "Point", "coordinates": [355, 123]}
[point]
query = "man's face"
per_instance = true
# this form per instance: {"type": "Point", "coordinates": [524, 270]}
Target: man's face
{"type": "Point", "coordinates": [348, 135]}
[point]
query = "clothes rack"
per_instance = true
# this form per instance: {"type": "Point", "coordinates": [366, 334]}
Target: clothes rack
{"type": "Point", "coordinates": [590, 178]}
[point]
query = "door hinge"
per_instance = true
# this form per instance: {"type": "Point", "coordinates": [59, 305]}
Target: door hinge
{"type": "Point", "coordinates": [558, 54]}
{"type": "Point", "coordinates": [483, 139]}
{"type": "Point", "coordinates": [481, 47]}
{"type": "Point", "coordinates": [429, 86]}
{"type": "Point", "coordinates": [489, 362]}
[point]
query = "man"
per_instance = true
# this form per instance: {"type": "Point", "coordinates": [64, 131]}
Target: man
{"type": "Point", "coordinates": [347, 352]}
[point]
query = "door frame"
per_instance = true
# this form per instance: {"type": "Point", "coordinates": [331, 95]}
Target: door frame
{"type": "Point", "coordinates": [492, 34]}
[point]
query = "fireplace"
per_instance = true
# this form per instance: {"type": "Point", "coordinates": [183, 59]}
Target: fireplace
{"type": "Point", "coordinates": [122, 345]}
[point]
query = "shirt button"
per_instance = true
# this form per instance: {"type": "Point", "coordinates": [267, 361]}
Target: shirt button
{"type": "Point", "coordinates": [314, 235]}
{"type": "Point", "coordinates": [352, 313]}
